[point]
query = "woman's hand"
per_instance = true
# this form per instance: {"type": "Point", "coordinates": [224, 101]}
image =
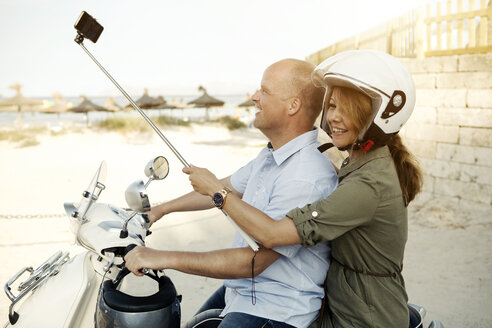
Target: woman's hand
{"type": "Point", "coordinates": [202, 180]}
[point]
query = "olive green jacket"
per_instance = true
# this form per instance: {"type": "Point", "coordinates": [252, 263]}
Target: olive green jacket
{"type": "Point", "coordinates": [366, 220]}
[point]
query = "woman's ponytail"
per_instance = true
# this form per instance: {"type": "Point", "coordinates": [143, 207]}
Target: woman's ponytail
{"type": "Point", "coordinates": [407, 168]}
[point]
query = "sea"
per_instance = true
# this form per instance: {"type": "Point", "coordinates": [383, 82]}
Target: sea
{"type": "Point", "coordinates": [191, 114]}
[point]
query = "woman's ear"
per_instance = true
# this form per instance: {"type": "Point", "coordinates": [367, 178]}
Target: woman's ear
{"type": "Point", "coordinates": [295, 106]}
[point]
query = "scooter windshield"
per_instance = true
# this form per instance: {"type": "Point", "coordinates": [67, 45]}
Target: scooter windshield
{"type": "Point", "coordinates": [93, 191]}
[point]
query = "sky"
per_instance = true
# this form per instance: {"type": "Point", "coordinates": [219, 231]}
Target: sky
{"type": "Point", "coordinates": [171, 47]}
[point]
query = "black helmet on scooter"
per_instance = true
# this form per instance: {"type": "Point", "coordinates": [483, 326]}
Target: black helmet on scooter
{"type": "Point", "coordinates": [381, 77]}
{"type": "Point", "coordinates": [117, 309]}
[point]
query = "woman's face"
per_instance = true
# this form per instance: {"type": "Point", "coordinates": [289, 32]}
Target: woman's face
{"type": "Point", "coordinates": [343, 131]}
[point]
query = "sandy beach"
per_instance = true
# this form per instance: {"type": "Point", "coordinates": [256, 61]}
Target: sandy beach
{"type": "Point", "coordinates": [448, 260]}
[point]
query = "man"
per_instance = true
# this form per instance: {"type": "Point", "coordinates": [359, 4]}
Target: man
{"type": "Point", "coordinates": [286, 289]}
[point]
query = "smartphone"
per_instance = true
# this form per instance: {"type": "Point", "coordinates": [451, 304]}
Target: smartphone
{"type": "Point", "coordinates": [88, 27]}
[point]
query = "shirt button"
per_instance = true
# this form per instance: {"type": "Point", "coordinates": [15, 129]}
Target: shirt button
{"type": "Point", "coordinates": [314, 214]}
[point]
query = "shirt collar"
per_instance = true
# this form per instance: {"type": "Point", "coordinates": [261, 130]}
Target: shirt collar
{"type": "Point", "coordinates": [379, 152]}
{"type": "Point", "coordinates": [293, 146]}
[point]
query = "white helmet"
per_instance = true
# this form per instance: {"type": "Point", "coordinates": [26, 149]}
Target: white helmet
{"type": "Point", "coordinates": [380, 76]}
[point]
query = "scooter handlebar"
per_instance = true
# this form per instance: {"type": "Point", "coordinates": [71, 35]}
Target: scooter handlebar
{"type": "Point", "coordinates": [127, 250]}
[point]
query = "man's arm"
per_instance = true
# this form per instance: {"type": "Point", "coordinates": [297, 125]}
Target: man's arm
{"type": "Point", "coordinates": [192, 201]}
{"type": "Point", "coordinates": [231, 263]}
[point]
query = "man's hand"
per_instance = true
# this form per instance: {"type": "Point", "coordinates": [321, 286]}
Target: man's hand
{"type": "Point", "coordinates": [203, 181]}
{"type": "Point", "coordinates": [142, 257]}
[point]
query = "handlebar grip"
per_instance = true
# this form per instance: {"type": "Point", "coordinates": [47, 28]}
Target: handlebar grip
{"type": "Point", "coordinates": [128, 249]}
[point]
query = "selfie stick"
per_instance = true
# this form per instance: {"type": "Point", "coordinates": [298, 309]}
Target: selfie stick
{"type": "Point", "coordinates": [80, 39]}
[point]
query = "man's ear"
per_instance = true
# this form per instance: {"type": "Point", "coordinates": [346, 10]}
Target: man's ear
{"type": "Point", "coordinates": [295, 106]}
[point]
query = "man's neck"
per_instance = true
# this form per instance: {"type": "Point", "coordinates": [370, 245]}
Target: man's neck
{"type": "Point", "coordinates": [280, 139]}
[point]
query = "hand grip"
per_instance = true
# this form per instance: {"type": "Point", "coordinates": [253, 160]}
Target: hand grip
{"type": "Point", "coordinates": [128, 249]}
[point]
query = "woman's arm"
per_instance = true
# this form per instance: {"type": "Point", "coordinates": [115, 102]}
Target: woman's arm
{"type": "Point", "coordinates": [268, 232]}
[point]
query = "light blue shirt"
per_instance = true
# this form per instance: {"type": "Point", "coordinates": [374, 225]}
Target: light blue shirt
{"type": "Point", "coordinates": [291, 289]}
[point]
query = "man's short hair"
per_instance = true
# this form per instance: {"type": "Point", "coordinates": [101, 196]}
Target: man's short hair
{"type": "Point", "coordinates": [303, 87]}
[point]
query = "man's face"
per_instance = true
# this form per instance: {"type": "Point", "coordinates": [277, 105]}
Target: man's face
{"type": "Point", "coordinates": [272, 99]}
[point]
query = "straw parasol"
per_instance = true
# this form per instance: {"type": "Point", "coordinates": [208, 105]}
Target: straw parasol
{"type": "Point", "coordinates": [206, 101]}
{"type": "Point", "coordinates": [178, 104]}
{"type": "Point", "coordinates": [59, 106]}
{"type": "Point", "coordinates": [160, 102]}
{"type": "Point", "coordinates": [111, 106]}
{"type": "Point", "coordinates": [145, 101]}
{"type": "Point", "coordinates": [86, 106]}
{"type": "Point", "coordinates": [248, 102]}
{"type": "Point", "coordinates": [18, 101]}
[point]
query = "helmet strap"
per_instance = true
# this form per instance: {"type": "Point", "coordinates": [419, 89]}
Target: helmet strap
{"type": "Point", "coordinates": [373, 138]}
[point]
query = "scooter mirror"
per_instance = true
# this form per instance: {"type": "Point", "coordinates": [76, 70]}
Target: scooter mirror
{"type": "Point", "coordinates": [157, 169]}
{"type": "Point", "coordinates": [137, 198]}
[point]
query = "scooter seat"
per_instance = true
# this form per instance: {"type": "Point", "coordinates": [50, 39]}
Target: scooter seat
{"type": "Point", "coordinates": [128, 303]}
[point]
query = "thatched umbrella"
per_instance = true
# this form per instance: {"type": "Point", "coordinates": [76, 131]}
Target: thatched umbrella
{"type": "Point", "coordinates": [145, 101]}
{"type": "Point", "coordinates": [59, 106]}
{"type": "Point", "coordinates": [160, 102]}
{"type": "Point", "coordinates": [178, 104]}
{"type": "Point", "coordinates": [111, 106]}
{"type": "Point", "coordinates": [18, 101]}
{"type": "Point", "coordinates": [86, 106]}
{"type": "Point", "coordinates": [206, 101]}
{"type": "Point", "coordinates": [247, 104]}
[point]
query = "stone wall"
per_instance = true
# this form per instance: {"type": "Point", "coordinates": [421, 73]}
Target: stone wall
{"type": "Point", "coordinates": [451, 128]}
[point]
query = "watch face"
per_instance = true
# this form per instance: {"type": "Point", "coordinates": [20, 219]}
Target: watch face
{"type": "Point", "coordinates": [218, 199]}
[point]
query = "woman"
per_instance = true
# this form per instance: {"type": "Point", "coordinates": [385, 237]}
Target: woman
{"type": "Point", "coordinates": [369, 96]}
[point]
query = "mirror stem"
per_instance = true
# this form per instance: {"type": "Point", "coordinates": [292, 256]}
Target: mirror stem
{"type": "Point", "coordinates": [151, 178]}
{"type": "Point", "coordinates": [124, 231]}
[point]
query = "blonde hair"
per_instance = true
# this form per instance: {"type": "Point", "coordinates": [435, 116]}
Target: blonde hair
{"type": "Point", "coordinates": [358, 107]}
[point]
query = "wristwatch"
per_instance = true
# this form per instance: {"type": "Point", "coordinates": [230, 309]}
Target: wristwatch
{"type": "Point", "coordinates": [220, 196]}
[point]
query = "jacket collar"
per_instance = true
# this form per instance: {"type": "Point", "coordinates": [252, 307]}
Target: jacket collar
{"type": "Point", "coordinates": [379, 152]}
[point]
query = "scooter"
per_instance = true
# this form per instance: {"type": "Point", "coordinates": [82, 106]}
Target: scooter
{"type": "Point", "coordinates": [81, 287]}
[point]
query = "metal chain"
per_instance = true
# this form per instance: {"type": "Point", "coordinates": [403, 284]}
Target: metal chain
{"type": "Point", "coordinates": [31, 216]}
{"type": "Point", "coordinates": [43, 216]}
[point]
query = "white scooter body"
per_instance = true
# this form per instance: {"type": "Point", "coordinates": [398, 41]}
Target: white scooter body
{"type": "Point", "coordinates": [72, 289]}
{"type": "Point", "coordinates": [63, 291]}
